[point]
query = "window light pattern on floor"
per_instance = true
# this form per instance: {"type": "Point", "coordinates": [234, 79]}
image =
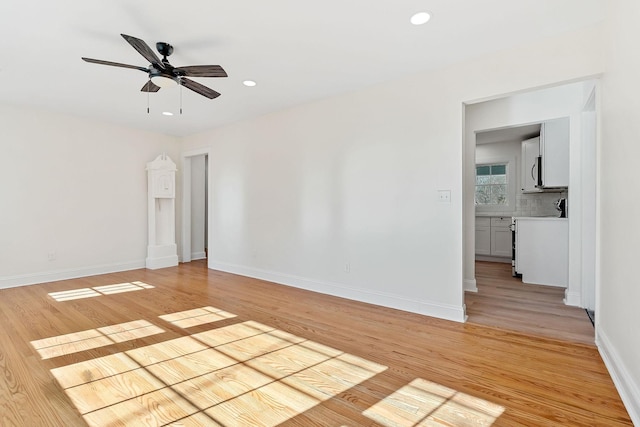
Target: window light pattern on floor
{"type": "Point", "coordinates": [99, 290]}
{"type": "Point", "coordinates": [94, 338]}
{"type": "Point", "coordinates": [425, 403]}
{"type": "Point", "coordinates": [241, 374]}
{"type": "Point", "coordinates": [197, 316]}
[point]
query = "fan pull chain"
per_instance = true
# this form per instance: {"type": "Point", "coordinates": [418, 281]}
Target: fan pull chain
{"type": "Point", "coordinates": [148, 90]}
{"type": "Point", "coordinates": [180, 83]}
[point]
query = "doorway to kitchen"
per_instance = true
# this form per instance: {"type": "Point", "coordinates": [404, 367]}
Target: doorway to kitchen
{"type": "Point", "coordinates": [492, 295]}
{"type": "Point", "coordinates": [195, 213]}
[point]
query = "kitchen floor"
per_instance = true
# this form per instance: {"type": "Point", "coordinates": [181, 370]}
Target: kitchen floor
{"type": "Point", "coordinates": [505, 302]}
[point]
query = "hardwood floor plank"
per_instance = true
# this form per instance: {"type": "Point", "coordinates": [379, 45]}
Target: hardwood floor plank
{"type": "Point", "coordinates": [239, 351]}
{"type": "Point", "coordinates": [505, 302]}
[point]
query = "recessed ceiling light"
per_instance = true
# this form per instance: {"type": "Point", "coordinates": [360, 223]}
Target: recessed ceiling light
{"type": "Point", "coordinates": [249, 83]}
{"type": "Point", "coordinates": [420, 18]}
{"type": "Point", "coordinates": [167, 113]}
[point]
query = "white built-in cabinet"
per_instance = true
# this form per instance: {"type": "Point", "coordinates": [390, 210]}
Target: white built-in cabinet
{"type": "Point", "coordinates": [493, 236]}
{"type": "Point", "coordinates": [545, 159]}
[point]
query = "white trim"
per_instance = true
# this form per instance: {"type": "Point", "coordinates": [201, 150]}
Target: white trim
{"type": "Point", "coordinates": [470, 285]}
{"type": "Point", "coordinates": [427, 308]}
{"type": "Point", "coordinates": [572, 298]}
{"type": "Point", "coordinates": [162, 262]}
{"type": "Point", "coordinates": [186, 199]}
{"type": "Point", "coordinates": [198, 255]}
{"type": "Point", "coordinates": [186, 209]}
{"type": "Point", "coordinates": [493, 259]}
{"type": "Point", "coordinates": [623, 380]}
{"type": "Point", "coordinates": [73, 273]}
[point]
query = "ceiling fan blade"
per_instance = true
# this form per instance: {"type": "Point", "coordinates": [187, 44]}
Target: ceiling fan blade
{"type": "Point", "coordinates": [115, 64]}
{"type": "Point", "coordinates": [144, 50]}
{"type": "Point", "coordinates": [198, 88]}
{"type": "Point", "coordinates": [149, 86]}
{"type": "Point", "coordinates": [202, 71]}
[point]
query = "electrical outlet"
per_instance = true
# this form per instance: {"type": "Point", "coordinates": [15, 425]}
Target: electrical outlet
{"type": "Point", "coordinates": [51, 256]}
{"type": "Point", "coordinates": [347, 267]}
{"type": "Point", "coordinates": [444, 196]}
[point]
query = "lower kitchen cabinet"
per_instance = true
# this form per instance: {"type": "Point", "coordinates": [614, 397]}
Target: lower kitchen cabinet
{"type": "Point", "coordinates": [501, 237]}
{"type": "Point", "coordinates": [542, 251]}
{"type": "Point", "coordinates": [493, 236]}
{"type": "Point", "coordinates": [483, 236]}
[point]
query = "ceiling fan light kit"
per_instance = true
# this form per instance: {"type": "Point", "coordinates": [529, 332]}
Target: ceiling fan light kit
{"type": "Point", "coordinates": [164, 81]}
{"type": "Point", "coordinates": [162, 74]}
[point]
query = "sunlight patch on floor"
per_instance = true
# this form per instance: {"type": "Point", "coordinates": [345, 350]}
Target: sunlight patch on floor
{"type": "Point", "coordinates": [94, 338]}
{"type": "Point", "coordinates": [425, 403]}
{"type": "Point", "coordinates": [241, 374]}
{"type": "Point", "coordinates": [197, 316]}
{"type": "Point", "coordinates": [96, 291]}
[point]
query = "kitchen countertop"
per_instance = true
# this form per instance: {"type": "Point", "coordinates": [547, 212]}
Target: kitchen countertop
{"type": "Point", "coordinates": [540, 218]}
{"type": "Point", "coordinates": [494, 215]}
{"type": "Point", "coordinates": [512, 215]}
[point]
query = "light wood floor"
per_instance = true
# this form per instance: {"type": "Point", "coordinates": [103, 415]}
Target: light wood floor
{"type": "Point", "coordinates": [193, 347]}
{"type": "Point", "coordinates": [505, 302]}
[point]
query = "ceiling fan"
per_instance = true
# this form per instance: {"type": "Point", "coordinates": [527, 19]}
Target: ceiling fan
{"type": "Point", "coordinates": [162, 73]}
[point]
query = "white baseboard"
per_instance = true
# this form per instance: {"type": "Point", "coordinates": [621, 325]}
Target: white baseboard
{"type": "Point", "coordinates": [572, 298]}
{"type": "Point", "coordinates": [470, 285]}
{"type": "Point", "coordinates": [72, 273]}
{"type": "Point", "coordinates": [198, 255]}
{"type": "Point", "coordinates": [161, 262]}
{"type": "Point", "coordinates": [628, 389]}
{"type": "Point", "coordinates": [427, 308]}
{"type": "Point", "coordinates": [493, 259]}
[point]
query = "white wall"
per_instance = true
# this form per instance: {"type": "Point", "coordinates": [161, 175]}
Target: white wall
{"type": "Point", "coordinates": [618, 315]}
{"type": "Point", "coordinates": [298, 194]}
{"type": "Point", "coordinates": [73, 187]}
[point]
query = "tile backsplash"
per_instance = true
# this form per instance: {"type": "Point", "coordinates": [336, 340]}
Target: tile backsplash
{"type": "Point", "coordinates": [539, 204]}
{"type": "Point", "coordinates": [532, 204]}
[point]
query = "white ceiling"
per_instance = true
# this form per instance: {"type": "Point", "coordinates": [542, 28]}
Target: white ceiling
{"type": "Point", "coordinates": [516, 133]}
{"type": "Point", "coordinates": [297, 51]}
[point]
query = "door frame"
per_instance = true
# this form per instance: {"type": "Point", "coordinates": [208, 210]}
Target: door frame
{"type": "Point", "coordinates": [573, 297]}
{"type": "Point", "coordinates": [186, 200]}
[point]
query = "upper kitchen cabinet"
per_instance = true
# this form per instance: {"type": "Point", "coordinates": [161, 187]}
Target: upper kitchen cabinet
{"type": "Point", "coordinates": [554, 149]}
{"type": "Point", "coordinates": [530, 158]}
{"type": "Point", "coordinates": [545, 159]}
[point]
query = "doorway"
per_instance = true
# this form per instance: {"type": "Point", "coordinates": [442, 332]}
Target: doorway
{"type": "Point", "coordinates": [522, 109]}
{"type": "Point", "coordinates": [195, 218]}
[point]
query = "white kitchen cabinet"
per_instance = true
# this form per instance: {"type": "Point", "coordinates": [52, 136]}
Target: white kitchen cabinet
{"type": "Point", "coordinates": [530, 154]}
{"type": "Point", "coordinates": [542, 250]}
{"type": "Point", "coordinates": [493, 236]}
{"type": "Point", "coordinates": [483, 236]}
{"type": "Point", "coordinates": [545, 159]}
{"type": "Point", "coordinates": [554, 149]}
{"type": "Point", "coordinates": [501, 237]}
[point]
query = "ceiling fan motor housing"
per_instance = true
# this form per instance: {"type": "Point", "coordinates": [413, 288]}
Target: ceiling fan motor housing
{"type": "Point", "coordinates": [165, 49]}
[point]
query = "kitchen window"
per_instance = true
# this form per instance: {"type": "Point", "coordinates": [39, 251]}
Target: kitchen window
{"type": "Point", "coordinates": [492, 185]}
